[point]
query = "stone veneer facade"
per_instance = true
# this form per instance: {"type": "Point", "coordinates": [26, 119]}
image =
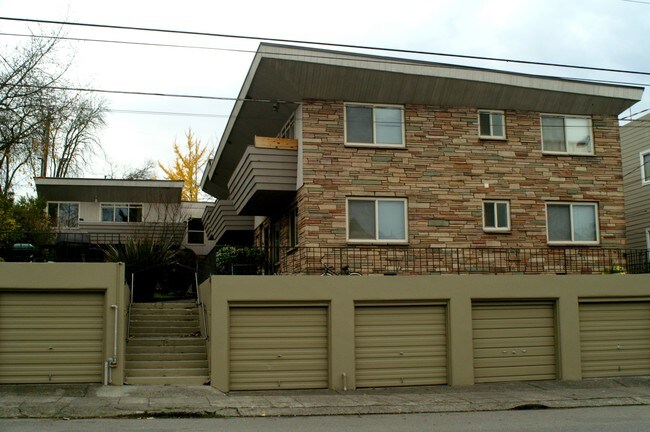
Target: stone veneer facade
{"type": "Point", "coordinates": [442, 171]}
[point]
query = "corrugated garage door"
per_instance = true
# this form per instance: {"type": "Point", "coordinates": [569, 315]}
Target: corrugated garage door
{"type": "Point", "coordinates": [278, 348]}
{"type": "Point", "coordinates": [51, 337]}
{"type": "Point", "coordinates": [400, 345]}
{"type": "Point", "coordinates": [615, 339]}
{"type": "Point", "coordinates": [514, 341]}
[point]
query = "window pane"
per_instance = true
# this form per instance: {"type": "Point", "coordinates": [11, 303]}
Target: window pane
{"type": "Point", "coordinates": [559, 222]}
{"type": "Point", "coordinates": [135, 214]}
{"type": "Point", "coordinates": [484, 123]}
{"type": "Point", "coordinates": [578, 135]}
{"type": "Point", "coordinates": [646, 167]}
{"type": "Point", "coordinates": [107, 213]}
{"type": "Point", "coordinates": [553, 134]}
{"type": "Point", "coordinates": [388, 125]}
{"type": "Point", "coordinates": [53, 212]}
{"type": "Point", "coordinates": [68, 214]}
{"type": "Point", "coordinates": [497, 124]}
{"type": "Point", "coordinates": [391, 220]}
{"type": "Point", "coordinates": [121, 214]}
{"type": "Point", "coordinates": [488, 211]}
{"type": "Point", "coordinates": [361, 224]}
{"type": "Point", "coordinates": [502, 215]}
{"type": "Point", "coordinates": [359, 124]}
{"type": "Point", "coordinates": [584, 223]}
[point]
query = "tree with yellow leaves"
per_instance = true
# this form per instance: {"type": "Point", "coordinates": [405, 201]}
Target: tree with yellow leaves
{"type": "Point", "coordinates": [188, 166]}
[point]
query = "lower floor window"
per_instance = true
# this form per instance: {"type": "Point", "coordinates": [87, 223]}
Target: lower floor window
{"type": "Point", "coordinates": [496, 216]}
{"type": "Point", "coordinates": [195, 231]}
{"type": "Point", "coordinates": [376, 219]}
{"type": "Point", "coordinates": [572, 223]}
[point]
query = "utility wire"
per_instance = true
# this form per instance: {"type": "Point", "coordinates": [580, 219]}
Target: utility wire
{"type": "Point", "coordinates": [327, 44]}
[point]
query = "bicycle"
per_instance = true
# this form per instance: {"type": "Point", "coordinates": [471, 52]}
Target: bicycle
{"type": "Point", "coordinates": [329, 270]}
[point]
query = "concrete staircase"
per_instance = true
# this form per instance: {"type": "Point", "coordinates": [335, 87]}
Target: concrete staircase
{"type": "Point", "coordinates": [165, 345]}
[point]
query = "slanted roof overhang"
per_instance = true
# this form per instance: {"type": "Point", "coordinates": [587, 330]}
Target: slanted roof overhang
{"type": "Point", "coordinates": [107, 190]}
{"type": "Point", "coordinates": [290, 75]}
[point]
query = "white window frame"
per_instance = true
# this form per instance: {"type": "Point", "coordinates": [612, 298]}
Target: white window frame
{"type": "Point", "coordinates": [288, 131]}
{"type": "Point", "coordinates": [58, 204]}
{"type": "Point", "coordinates": [120, 204]}
{"type": "Point", "coordinates": [192, 231]}
{"type": "Point", "coordinates": [492, 135]}
{"type": "Point", "coordinates": [374, 126]}
{"type": "Point", "coordinates": [573, 242]}
{"type": "Point", "coordinates": [376, 240]}
{"type": "Point", "coordinates": [645, 176]}
{"type": "Point", "coordinates": [566, 116]}
{"type": "Point", "coordinates": [496, 228]}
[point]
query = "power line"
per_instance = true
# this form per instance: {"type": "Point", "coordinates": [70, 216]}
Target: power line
{"type": "Point", "coordinates": [329, 44]}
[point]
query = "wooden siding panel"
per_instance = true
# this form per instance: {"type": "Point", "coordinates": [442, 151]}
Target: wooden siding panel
{"type": "Point", "coordinates": [615, 339]}
{"type": "Point", "coordinates": [51, 337]}
{"type": "Point", "coordinates": [400, 345]}
{"type": "Point", "coordinates": [278, 348]}
{"type": "Point", "coordinates": [514, 341]}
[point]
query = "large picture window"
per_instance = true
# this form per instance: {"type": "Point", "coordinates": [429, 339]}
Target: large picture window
{"type": "Point", "coordinates": [63, 214]}
{"type": "Point", "coordinates": [374, 125]}
{"type": "Point", "coordinates": [377, 220]}
{"type": "Point", "coordinates": [567, 135]}
{"type": "Point", "coordinates": [121, 212]}
{"type": "Point", "coordinates": [572, 223]}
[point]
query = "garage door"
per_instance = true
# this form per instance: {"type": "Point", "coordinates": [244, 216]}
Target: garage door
{"type": "Point", "coordinates": [51, 337]}
{"type": "Point", "coordinates": [615, 339]}
{"type": "Point", "coordinates": [278, 348]}
{"type": "Point", "coordinates": [514, 341]}
{"type": "Point", "coordinates": [400, 345]}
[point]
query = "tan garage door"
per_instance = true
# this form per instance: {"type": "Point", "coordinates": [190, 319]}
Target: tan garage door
{"type": "Point", "coordinates": [278, 348]}
{"type": "Point", "coordinates": [51, 337]}
{"type": "Point", "coordinates": [514, 341]}
{"type": "Point", "coordinates": [400, 345]}
{"type": "Point", "coordinates": [615, 339]}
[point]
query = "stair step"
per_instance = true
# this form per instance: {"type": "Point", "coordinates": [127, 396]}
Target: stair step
{"type": "Point", "coordinates": [165, 350]}
{"type": "Point", "coordinates": [184, 380]}
{"type": "Point", "coordinates": [165, 364]}
{"type": "Point", "coordinates": [174, 323]}
{"type": "Point", "coordinates": [163, 341]}
{"type": "Point", "coordinates": [166, 372]}
{"type": "Point", "coordinates": [167, 356]}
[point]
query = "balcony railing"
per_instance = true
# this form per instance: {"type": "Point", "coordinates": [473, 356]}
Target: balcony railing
{"type": "Point", "coordinates": [427, 261]}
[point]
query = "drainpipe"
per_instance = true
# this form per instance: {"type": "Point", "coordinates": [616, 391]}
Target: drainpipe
{"type": "Point", "coordinates": [111, 362]}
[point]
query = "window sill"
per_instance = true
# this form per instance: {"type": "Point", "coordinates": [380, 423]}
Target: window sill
{"type": "Point", "coordinates": [497, 231]}
{"type": "Point", "coordinates": [550, 153]}
{"type": "Point", "coordinates": [377, 146]}
{"type": "Point", "coordinates": [565, 243]}
{"type": "Point", "coordinates": [378, 243]}
{"type": "Point", "coordinates": [492, 138]}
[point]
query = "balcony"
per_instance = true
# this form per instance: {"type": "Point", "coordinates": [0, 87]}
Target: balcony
{"type": "Point", "coordinates": [225, 226]}
{"type": "Point", "coordinates": [265, 178]}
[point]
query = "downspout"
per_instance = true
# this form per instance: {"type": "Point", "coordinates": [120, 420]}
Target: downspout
{"type": "Point", "coordinates": [111, 362]}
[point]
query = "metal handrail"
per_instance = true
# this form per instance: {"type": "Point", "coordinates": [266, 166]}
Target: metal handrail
{"type": "Point", "coordinates": [200, 303]}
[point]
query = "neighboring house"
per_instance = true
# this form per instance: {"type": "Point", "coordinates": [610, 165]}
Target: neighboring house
{"type": "Point", "coordinates": [635, 142]}
{"type": "Point", "coordinates": [107, 211]}
{"type": "Point", "coordinates": [333, 149]}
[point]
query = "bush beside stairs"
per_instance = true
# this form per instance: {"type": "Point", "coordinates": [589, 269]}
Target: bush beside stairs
{"type": "Point", "coordinates": [165, 345]}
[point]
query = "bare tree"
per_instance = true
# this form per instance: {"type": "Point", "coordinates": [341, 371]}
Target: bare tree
{"type": "Point", "coordinates": [44, 131]}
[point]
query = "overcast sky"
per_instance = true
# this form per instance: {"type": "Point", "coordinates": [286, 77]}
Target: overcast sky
{"type": "Point", "coordinates": [601, 33]}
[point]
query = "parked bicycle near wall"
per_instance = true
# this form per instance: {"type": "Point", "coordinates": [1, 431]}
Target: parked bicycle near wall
{"type": "Point", "coordinates": [328, 270]}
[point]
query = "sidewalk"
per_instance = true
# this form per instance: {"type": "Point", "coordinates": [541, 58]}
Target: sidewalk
{"type": "Point", "coordinates": [93, 401]}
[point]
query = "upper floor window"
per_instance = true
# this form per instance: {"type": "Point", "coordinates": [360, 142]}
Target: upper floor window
{"type": "Point", "coordinates": [293, 227]}
{"type": "Point", "coordinates": [374, 125]}
{"type": "Point", "coordinates": [195, 231]}
{"type": "Point", "coordinates": [572, 223]}
{"type": "Point", "coordinates": [121, 212]}
{"type": "Point", "coordinates": [567, 135]}
{"type": "Point", "coordinates": [645, 167]}
{"type": "Point", "coordinates": [491, 124]}
{"type": "Point", "coordinates": [63, 214]}
{"type": "Point", "coordinates": [496, 216]}
{"type": "Point", "coordinates": [377, 220]}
